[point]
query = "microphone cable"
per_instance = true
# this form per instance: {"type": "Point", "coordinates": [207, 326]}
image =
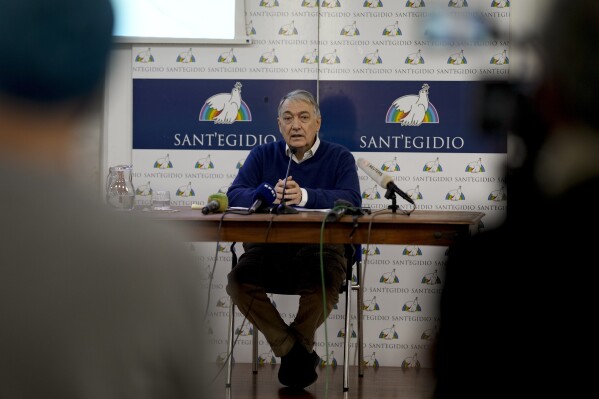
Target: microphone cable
{"type": "Point", "coordinates": [220, 224]}
{"type": "Point", "coordinates": [407, 212]}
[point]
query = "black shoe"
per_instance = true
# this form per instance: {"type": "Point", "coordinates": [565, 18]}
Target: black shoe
{"type": "Point", "coordinates": [315, 358]}
{"type": "Point", "coordinates": [298, 367]}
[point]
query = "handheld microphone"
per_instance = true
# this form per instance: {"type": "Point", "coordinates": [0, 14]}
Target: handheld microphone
{"type": "Point", "coordinates": [216, 203]}
{"type": "Point", "coordinates": [264, 196]}
{"type": "Point", "coordinates": [383, 179]}
{"type": "Point", "coordinates": [340, 209]}
{"type": "Point", "coordinates": [283, 208]}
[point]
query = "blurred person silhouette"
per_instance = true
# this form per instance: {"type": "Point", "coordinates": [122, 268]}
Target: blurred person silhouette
{"type": "Point", "coordinates": [92, 304]}
{"type": "Point", "coordinates": [518, 300]}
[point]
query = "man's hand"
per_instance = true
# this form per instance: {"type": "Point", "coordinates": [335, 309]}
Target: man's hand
{"type": "Point", "coordinates": [293, 192]}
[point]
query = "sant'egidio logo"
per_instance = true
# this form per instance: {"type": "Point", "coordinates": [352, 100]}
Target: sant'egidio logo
{"type": "Point", "coordinates": [500, 3]}
{"type": "Point", "coordinates": [330, 58]}
{"type": "Point", "coordinates": [226, 108]}
{"type": "Point", "coordinates": [372, 4]}
{"type": "Point", "coordinates": [415, 3]}
{"type": "Point", "coordinates": [457, 3]}
{"type": "Point", "coordinates": [145, 56]}
{"type": "Point", "coordinates": [310, 3]}
{"type": "Point", "coordinates": [330, 4]}
{"type": "Point", "coordinates": [413, 109]}
{"type": "Point", "coordinates": [269, 3]}
{"type": "Point", "coordinates": [392, 30]}
{"type": "Point", "coordinates": [186, 57]}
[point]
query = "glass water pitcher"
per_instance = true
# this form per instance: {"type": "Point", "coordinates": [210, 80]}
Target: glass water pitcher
{"type": "Point", "coordinates": [120, 193]}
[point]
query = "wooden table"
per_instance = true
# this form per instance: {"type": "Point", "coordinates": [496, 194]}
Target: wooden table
{"type": "Point", "coordinates": [420, 228]}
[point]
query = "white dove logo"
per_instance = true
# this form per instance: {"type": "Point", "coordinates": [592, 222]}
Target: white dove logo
{"type": "Point", "coordinates": [500, 58]}
{"type": "Point", "coordinates": [458, 3]}
{"type": "Point", "coordinates": [269, 3]}
{"type": "Point", "coordinates": [500, 3]}
{"type": "Point", "coordinates": [145, 57]}
{"type": "Point", "coordinates": [411, 362]}
{"type": "Point", "coordinates": [415, 58]}
{"type": "Point", "coordinates": [288, 30]}
{"type": "Point", "coordinates": [372, 58]}
{"type": "Point", "coordinates": [411, 306]}
{"type": "Point", "coordinates": [457, 58]}
{"type": "Point", "coordinates": [415, 3]}
{"type": "Point", "coordinates": [350, 30]}
{"type": "Point", "coordinates": [413, 110]}
{"type": "Point", "coordinates": [227, 57]}
{"type": "Point", "coordinates": [389, 333]}
{"type": "Point", "coordinates": [310, 3]}
{"type": "Point", "coordinates": [267, 357]}
{"type": "Point", "coordinates": [186, 57]}
{"type": "Point", "coordinates": [226, 108]}
{"type": "Point", "coordinates": [373, 4]}
{"type": "Point", "coordinates": [371, 361]}
{"type": "Point", "coordinates": [330, 4]}
{"type": "Point", "coordinates": [310, 58]}
{"type": "Point", "coordinates": [498, 195]}
{"type": "Point", "coordinates": [331, 58]}
{"type": "Point", "coordinates": [270, 57]}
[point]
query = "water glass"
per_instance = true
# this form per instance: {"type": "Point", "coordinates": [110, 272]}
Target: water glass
{"type": "Point", "coordinates": [161, 200]}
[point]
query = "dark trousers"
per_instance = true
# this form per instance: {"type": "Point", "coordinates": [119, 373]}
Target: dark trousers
{"type": "Point", "coordinates": [287, 269]}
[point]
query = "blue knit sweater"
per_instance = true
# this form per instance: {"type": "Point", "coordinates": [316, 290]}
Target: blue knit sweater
{"type": "Point", "coordinates": [327, 176]}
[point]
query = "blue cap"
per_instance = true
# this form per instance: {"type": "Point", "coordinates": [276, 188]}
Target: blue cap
{"type": "Point", "coordinates": [53, 50]}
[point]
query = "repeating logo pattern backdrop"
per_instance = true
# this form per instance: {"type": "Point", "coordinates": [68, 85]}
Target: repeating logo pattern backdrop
{"type": "Point", "coordinates": [393, 87]}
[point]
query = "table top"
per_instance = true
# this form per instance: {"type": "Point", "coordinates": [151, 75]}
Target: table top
{"type": "Point", "coordinates": [383, 227]}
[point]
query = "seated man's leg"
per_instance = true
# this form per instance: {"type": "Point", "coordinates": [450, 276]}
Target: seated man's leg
{"type": "Point", "coordinates": [311, 314]}
{"type": "Point", "coordinates": [298, 366]}
{"type": "Point", "coordinates": [246, 284]}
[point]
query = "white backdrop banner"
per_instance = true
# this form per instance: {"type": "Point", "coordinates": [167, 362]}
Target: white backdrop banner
{"type": "Point", "coordinates": [198, 111]}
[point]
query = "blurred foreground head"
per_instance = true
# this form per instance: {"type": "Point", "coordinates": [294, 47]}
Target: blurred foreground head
{"type": "Point", "coordinates": [54, 51]}
{"type": "Point", "coordinates": [571, 60]}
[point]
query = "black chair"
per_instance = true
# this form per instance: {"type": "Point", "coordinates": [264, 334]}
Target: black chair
{"type": "Point", "coordinates": [353, 254]}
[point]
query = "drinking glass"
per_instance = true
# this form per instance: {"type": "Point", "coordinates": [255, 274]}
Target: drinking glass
{"type": "Point", "coordinates": [161, 200]}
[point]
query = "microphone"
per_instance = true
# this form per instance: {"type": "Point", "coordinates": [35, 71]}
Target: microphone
{"type": "Point", "coordinates": [383, 179]}
{"type": "Point", "coordinates": [340, 209]}
{"type": "Point", "coordinates": [263, 196]}
{"type": "Point", "coordinates": [216, 203]}
{"type": "Point", "coordinates": [284, 208]}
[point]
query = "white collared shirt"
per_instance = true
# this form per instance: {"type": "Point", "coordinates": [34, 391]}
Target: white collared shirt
{"type": "Point", "coordinates": [307, 155]}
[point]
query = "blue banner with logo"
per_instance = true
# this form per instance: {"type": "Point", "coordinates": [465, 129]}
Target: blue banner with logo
{"type": "Point", "coordinates": [364, 116]}
{"type": "Point", "coordinates": [208, 114]}
{"type": "Point", "coordinates": [406, 116]}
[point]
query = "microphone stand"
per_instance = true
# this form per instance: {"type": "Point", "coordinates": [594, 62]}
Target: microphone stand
{"type": "Point", "coordinates": [283, 208]}
{"type": "Point", "coordinates": [390, 194]}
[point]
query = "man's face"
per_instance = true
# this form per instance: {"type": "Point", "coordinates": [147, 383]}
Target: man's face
{"type": "Point", "coordinates": [299, 125]}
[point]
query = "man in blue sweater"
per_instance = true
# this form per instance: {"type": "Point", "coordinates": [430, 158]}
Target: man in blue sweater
{"type": "Point", "coordinates": [320, 174]}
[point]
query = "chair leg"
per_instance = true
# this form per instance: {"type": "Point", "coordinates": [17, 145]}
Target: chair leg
{"type": "Point", "coordinates": [230, 345]}
{"type": "Point", "coordinates": [347, 337]}
{"type": "Point", "coordinates": [360, 315]}
{"type": "Point", "coordinates": [254, 350]}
